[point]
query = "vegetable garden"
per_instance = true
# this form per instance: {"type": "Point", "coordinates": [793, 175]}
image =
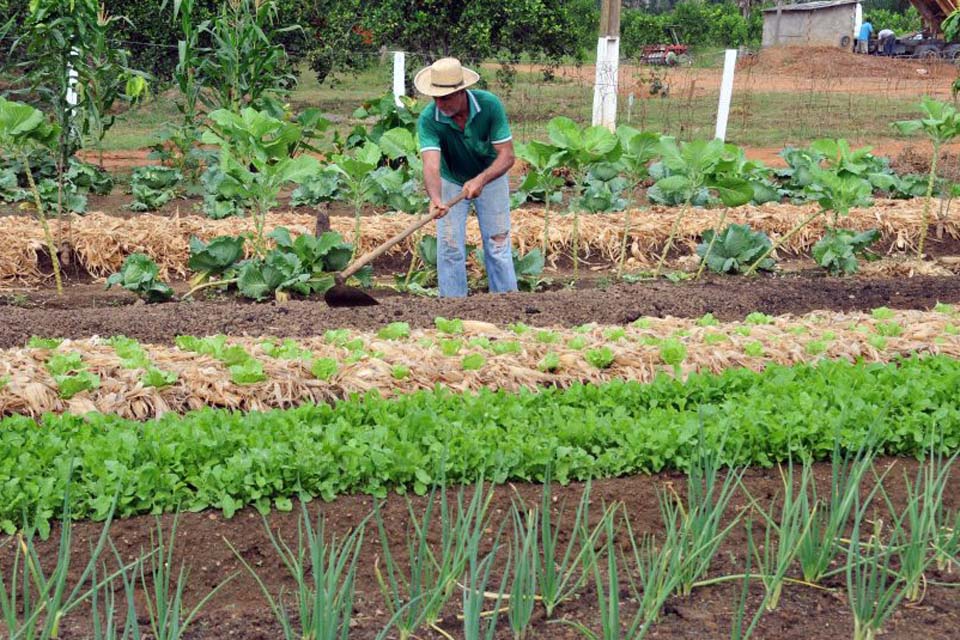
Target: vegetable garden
{"type": "Point", "coordinates": [723, 404]}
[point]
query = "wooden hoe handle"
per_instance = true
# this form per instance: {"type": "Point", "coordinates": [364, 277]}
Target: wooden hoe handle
{"type": "Point", "coordinates": [373, 254]}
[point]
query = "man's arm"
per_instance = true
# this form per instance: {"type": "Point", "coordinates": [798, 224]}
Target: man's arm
{"type": "Point", "coordinates": [432, 182]}
{"type": "Point", "coordinates": [501, 164]}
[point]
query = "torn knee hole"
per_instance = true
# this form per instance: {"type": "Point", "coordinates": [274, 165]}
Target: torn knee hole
{"type": "Point", "coordinates": [499, 240]}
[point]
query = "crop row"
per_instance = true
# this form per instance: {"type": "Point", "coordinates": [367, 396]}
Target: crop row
{"type": "Point", "coordinates": [100, 242]}
{"type": "Point", "coordinates": [120, 376]}
{"type": "Point", "coordinates": [370, 444]}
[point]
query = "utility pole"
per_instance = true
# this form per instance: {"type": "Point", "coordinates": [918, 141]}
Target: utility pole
{"type": "Point", "coordinates": [608, 61]}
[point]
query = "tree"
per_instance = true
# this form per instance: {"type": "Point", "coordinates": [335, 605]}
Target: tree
{"type": "Point", "coordinates": [478, 29]}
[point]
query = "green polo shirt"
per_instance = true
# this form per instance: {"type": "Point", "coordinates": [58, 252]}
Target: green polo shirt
{"type": "Point", "coordinates": [465, 154]}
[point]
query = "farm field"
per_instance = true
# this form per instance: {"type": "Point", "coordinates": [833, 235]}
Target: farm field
{"type": "Point", "coordinates": [723, 404]}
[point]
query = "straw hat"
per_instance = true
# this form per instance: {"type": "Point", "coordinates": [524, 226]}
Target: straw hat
{"type": "Point", "coordinates": [443, 77]}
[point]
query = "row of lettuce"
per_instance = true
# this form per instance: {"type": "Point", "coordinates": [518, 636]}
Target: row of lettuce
{"type": "Point", "coordinates": [368, 444]}
{"type": "Point", "coordinates": [576, 354]}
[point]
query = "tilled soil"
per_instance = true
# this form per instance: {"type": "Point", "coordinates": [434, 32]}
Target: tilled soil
{"type": "Point", "coordinates": [90, 311]}
{"type": "Point", "coordinates": [239, 609]}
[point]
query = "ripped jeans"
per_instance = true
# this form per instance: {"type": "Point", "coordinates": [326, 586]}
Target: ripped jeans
{"type": "Point", "coordinates": [493, 214]}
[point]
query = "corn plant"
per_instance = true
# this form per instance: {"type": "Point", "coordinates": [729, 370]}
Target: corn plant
{"type": "Point", "coordinates": [33, 602]}
{"type": "Point", "coordinates": [163, 589]}
{"type": "Point", "coordinates": [325, 574]}
{"type": "Point", "coordinates": [874, 589]}
{"type": "Point", "coordinates": [941, 124]}
{"type": "Point", "coordinates": [416, 597]}
{"type": "Point", "coordinates": [526, 560]}
{"type": "Point", "coordinates": [919, 524]}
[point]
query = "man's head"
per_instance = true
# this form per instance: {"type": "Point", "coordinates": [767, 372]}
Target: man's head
{"type": "Point", "coordinates": [444, 77]}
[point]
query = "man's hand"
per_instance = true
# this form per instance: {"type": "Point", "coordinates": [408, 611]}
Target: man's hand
{"type": "Point", "coordinates": [472, 188]}
{"type": "Point", "coordinates": [438, 209]}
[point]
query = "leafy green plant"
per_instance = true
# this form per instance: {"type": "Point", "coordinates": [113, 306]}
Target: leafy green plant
{"type": "Point", "coordinates": [689, 173]}
{"type": "Point", "coordinates": [257, 159]}
{"type": "Point", "coordinates": [395, 331]}
{"type": "Point", "coordinates": [673, 352]}
{"type": "Point", "coordinates": [541, 180]}
{"type": "Point", "coordinates": [357, 181]}
{"type": "Point", "coordinates": [838, 249]}
{"type": "Point", "coordinates": [153, 187]}
{"type": "Point", "coordinates": [473, 362]}
{"type": "Point", "coordinates": [23, 128]}
{"type": "Point", "coordinates": [583, 151]}
{"type": "Point", "coordinates": [138, 274]}
{"type": "Point", "coordinates": [734, 249]}
{"type": "Point", "coordinates": [940, 122]}
{"type": "Point", "coordinates": [214, 258]}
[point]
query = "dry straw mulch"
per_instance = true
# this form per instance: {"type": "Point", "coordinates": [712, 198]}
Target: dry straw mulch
{"type": "Point", "coordinates": [637, 348]}
{"type": "Point", "coordinates": [101, 242]}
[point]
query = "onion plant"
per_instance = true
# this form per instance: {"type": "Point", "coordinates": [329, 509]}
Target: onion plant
{"type": "Point", "coordinates": [416, 596]}
{"type": "Point", "coordinates": [33, 602]}
{"type": "Point", "coordinates": [784, 531]}
{"type": "Point", "coordinates": [324, 571]}
{"type": "Point", "coordinates": [659, 569]}
{"type": "Point", "coordinates": [829, 516]}
{"type": "Point", "coordinates": [693, 525]}
{"type": "Point", "coordinates": [559, 573]}
{"type": "Point", "coordinates": [164, 593]}
{"type": "Point", "coordinates": [477, 623]}
{"type": "Point", "coordinates": [526, 561]}
{"type": "Point", "coordinates": [874, 589]}
{"type": "Point", "coordinates": [919, 525]}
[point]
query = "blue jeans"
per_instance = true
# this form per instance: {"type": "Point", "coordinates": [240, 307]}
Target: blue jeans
{"type": "Point", "coordinates": [493, 214]}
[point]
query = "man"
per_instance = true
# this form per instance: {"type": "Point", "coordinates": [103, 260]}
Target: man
{"type": "Point", "coordinates": [466, 146]}
{"type": "Point", "coordinates": [863, 38]}
{"type": "Point", "coordinates": [886, 39]}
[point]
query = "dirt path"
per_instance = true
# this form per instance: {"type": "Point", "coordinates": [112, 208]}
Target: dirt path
{"type": "Point", "coordinates": [92, 312]}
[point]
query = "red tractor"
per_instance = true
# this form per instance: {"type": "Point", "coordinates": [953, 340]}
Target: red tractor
{"type": "Point", "coordinates": [666, 54]}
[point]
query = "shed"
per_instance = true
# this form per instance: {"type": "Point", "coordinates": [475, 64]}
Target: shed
{"type": "Point", "coordinates": [822, 22]}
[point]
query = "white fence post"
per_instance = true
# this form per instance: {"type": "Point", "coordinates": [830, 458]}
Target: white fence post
{"type": "Point", "coordinates": [605, 84]}
{"type": "Point", "coordinates": [399, 77]}
{"type": "Point", "coordinates": [726, 93]}
{"type": "Point", "coordinates": [72, 97]}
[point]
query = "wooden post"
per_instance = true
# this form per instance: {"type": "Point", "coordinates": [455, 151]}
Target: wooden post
{"type": "Point", "coordinates": [607, 68]}
{"type": "Point", "coordinates": [776, 24]}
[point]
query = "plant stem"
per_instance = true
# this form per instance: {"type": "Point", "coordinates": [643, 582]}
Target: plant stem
{"type": "Point", "coordinates": [926, 205]}
{"type": "Point", "coordinates": [546, 225]}
{"type": "Point", "coordinates": [623, 242]}
{"type": "Point", "coordinates": [776, 245]}
{"type": "Point", "coordinates": [212, 283]}
{"type": "Point", "coordinates": [576, 245]}
{"type": "Point", "coordinates": [47, 235]}
{"type": "Point", "coordinates": [357, 207]}
{"type": "Point", "coordinates": [673, 233]}
{"type": "Point", "coordinates": [713, 241]}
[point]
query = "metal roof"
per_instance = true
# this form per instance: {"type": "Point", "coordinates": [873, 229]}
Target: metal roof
{"type": "Point", "coordinates": [812, 6]}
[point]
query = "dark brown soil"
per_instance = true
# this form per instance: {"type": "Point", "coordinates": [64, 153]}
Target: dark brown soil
{"type": "Point", "coordinates": [240, 611]}
{"type": "Point", "coordinates": [88, 310]}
